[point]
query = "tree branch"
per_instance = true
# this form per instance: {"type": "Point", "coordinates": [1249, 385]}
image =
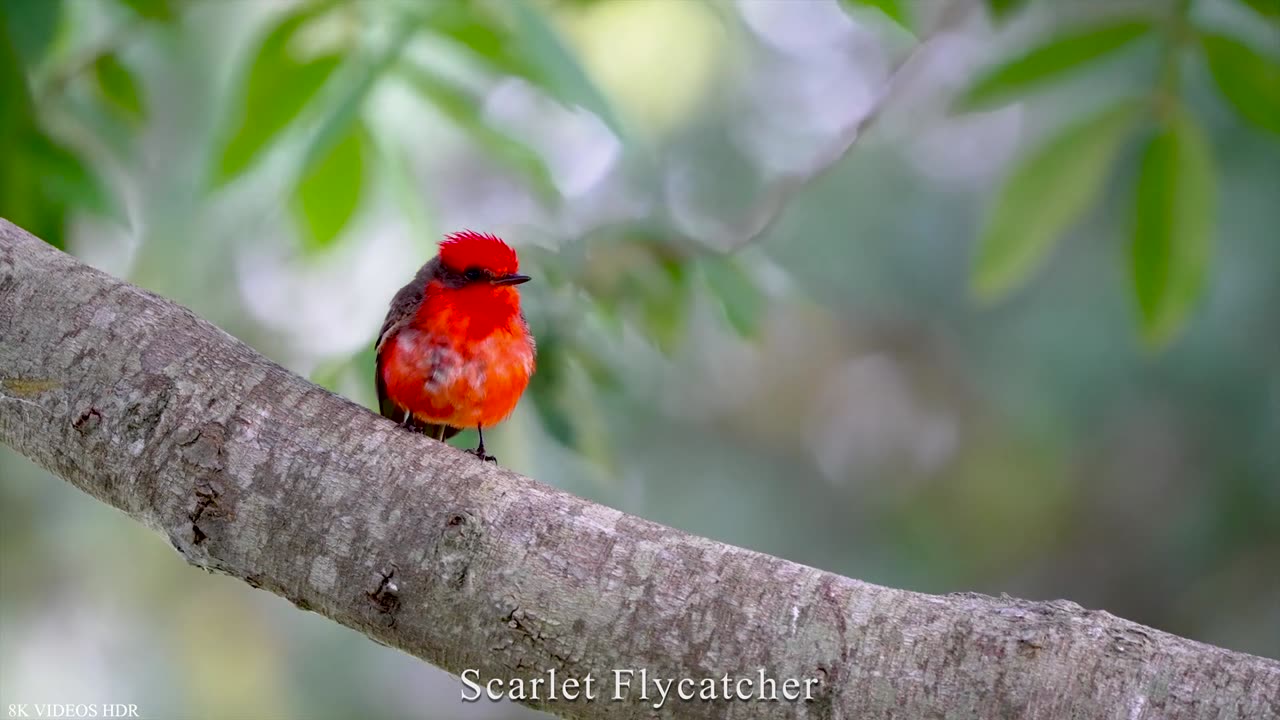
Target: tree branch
{"type": "Point", "coordinates": [254, 472]}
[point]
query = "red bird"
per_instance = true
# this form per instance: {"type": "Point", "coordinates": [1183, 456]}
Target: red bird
{"type": "Point", "coordinates": [455, 351]}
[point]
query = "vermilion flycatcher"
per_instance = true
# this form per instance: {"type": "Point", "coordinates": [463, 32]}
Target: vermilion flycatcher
{"type": "Point", "coordinates": [455, 351]}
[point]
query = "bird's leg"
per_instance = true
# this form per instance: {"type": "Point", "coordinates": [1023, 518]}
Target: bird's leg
{"type": "Point", "coordinates": [440, 432]}
{"type": "Point", "coordinates": [407, 421]}
{"type": "Point", "coordinates": [479, 451]}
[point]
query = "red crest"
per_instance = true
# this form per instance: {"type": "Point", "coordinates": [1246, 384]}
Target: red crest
{"type": "Point", "coordinates": [466, 249]}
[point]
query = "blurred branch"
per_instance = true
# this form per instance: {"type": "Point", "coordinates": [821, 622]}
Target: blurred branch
{"type": "Point", "coordinates": [251, 471]}
{"type": "Point", "coordinates": [770, 208]}
{"type": "Point", "coordinates": [1178, 35]}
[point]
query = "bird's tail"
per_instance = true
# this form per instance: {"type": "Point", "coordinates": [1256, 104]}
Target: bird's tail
{"type": "Point", "coordinates": [400, 415]}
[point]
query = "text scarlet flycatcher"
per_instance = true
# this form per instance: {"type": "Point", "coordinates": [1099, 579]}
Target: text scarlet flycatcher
{"type": "Point", "coordinates": [640, 685]}
{"type": "Point", "coordinates": [455, 351]}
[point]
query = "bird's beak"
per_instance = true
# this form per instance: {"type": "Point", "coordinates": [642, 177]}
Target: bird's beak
{"type": "Point", "coordinates": [511, 280]}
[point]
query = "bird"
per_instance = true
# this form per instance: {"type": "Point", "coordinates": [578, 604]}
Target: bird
{"type": "Point", "coordinates": [455, 350]}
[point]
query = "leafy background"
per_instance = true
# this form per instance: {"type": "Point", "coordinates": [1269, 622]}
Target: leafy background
{"type": "Point", "coordinates": [1021, 337]}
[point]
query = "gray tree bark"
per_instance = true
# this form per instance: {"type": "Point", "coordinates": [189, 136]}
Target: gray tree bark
{"type": "Point", "coordinates": [251, 471]}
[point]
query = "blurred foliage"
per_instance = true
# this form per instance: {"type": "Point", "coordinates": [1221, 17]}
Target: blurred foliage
{"type": "Point", "coordinates": [316, 64]}
{"type": "Point", "coordinates": [1173, 228]}
{"type": "Point", "coordinates": [823, 392]}
{"type": "Point", "coordinates": [289, 75]}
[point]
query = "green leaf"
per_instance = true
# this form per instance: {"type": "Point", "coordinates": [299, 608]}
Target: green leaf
{"type": "Point", "coordinates": [31, 26]}
{"type": "Point", "coordinates": [738, 296]}
{"type": "Point", "coordinates": [1173, 231]}
{"type": "Point", "coordinates": [16, 113]}
{"type": "Point", "coordinates": [328, 194]}
{"type": "Point", "coordinates": [41, 182]}
{"type": "Point", "coordinates": [118, 86]}
{"type": "Point", "coordinates": [664, 305]}
{"type": "Point", "coordinates": [464, 108]}
{"type": "Point", "coordinates": [1001, 9]}
{"type": "Point", "coordinates": [64, 177]}
{"type": "Point", "coordinates": [1266, 8]}
{"type": "Point", "coordinates": [1043, 196]}
{"type": "Point", "coordinates": [1051, 60]}
{"type": "Point", "coordinates": [895, 10]}
{"type": "Point", "coordinates": [151, 9]}
{"type": "Point", "coordinates": [1249, 80]}
{"type": "Point", "coordinates": [277, 87]}
{"type": "Point", "coordinates": [20, 200]}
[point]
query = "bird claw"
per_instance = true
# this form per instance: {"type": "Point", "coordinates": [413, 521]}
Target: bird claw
{"type": "Point", "coordinates": [479, 453]}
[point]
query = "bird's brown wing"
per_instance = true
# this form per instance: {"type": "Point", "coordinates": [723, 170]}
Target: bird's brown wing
{"type": "Point", "coordinates": [403, 306]}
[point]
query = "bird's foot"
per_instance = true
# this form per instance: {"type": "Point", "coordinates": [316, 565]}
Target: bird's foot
{"type": "Point", "coordinates": [480, 453]}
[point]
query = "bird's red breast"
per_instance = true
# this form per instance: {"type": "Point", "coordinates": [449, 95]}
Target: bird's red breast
{"type": "Point", "coordinates": [456, 350]}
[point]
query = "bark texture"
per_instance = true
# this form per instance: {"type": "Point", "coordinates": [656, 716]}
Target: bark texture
{"type": "Point", "coordinates": [251, 471]}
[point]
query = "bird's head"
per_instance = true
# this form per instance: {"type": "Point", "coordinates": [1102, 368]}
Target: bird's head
{"type": "Point", "coordinates": [478, 265]}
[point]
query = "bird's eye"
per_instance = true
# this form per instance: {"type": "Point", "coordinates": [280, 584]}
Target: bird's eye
{"type": "Point", "coordinates": [473, 274]}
